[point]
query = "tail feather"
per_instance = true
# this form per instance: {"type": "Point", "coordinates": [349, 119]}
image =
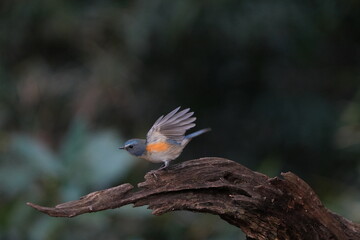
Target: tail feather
{"type": "Point", "coordinates": [197, 133]}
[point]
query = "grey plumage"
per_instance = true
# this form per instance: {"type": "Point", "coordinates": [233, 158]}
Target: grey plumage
{"type": "Point", "coordinates": [166, 138]}
{"type": "Point", "coordinates": [136, 147]}
{"type": "Point", "coordinates": [173, 125]}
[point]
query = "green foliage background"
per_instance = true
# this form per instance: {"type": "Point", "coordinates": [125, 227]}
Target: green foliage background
{"type": "Point", "coordinates": [278, 81]}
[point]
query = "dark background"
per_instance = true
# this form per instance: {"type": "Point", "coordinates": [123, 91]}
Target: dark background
{"type": "Point", "coordinates": [278, 82]}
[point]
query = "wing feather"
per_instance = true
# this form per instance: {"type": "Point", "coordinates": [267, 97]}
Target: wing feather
{"type": "Point", "coordinates": [168, 116]}
{"type": "Point", "coordinates": [171, 126]}
{"type": "Point", "coordinates": [159, 119]}
{"type": "Point", "coordinates": [186, 116]}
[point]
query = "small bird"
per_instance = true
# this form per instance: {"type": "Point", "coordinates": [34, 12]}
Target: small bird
{"type": "Point", "coordinates": [166, 138]}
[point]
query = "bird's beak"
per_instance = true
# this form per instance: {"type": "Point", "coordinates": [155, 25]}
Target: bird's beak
{"type": "Point", "coordinates": [122, 147]}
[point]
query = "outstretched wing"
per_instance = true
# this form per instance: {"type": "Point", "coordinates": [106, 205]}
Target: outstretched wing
{"type": "Point", "coordinates": [173, 126]}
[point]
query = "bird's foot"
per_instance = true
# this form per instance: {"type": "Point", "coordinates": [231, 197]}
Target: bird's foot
{"type": "Point", "coordinates": [163, 167]}
{"type": "Point", "coordinates": [166, 164]}
{"type": "Point", "coordinates": [154, 174]}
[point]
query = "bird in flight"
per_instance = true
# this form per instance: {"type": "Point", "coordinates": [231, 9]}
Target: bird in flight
{"type": "Point", "coordinates": [166, 138]}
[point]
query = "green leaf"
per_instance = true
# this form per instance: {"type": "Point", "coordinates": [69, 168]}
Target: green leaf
{"type": "Point", "coordinates": [73, 143]}
{"type": "Point", "coordinates": [35, 154]}
{"type": "Point", "coordinates": [106, 162]}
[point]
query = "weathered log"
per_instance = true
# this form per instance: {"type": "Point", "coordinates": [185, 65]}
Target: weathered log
{"type": "Point", "coordinates": [262, 207]}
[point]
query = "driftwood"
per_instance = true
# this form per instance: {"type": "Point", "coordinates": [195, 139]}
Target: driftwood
{"type": "Point", "coordinates": [263, 207]}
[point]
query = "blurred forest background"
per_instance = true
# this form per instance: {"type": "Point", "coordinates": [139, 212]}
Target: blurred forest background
{"type": "Point", "coordinates": [278, 82]}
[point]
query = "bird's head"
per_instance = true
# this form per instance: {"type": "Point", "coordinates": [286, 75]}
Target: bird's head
{"type": "Point", "coordinates": [135, 147]}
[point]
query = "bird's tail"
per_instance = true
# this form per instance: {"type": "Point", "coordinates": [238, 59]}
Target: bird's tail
{"type": "Point", "coordinates": [197, 133]}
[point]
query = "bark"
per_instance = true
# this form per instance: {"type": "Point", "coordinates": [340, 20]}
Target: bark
{"type": "Point", "coordinates": [262, 207]}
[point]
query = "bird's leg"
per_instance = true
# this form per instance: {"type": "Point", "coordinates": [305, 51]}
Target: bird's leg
{"type": "Point", "coordinates": [154, 174]}
{"type": "Point", "coordinates": [166, 164]}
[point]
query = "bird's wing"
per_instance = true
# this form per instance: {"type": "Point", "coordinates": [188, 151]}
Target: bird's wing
{"type": "Point", "coordinates": [173, 126]}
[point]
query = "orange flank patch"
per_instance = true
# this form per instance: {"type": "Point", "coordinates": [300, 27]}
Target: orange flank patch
{"type": "Point", "coordinates": [157, 147]}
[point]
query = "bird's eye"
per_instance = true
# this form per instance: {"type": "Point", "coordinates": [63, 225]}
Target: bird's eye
{"type": "Point", "coordinates": [131, 146]}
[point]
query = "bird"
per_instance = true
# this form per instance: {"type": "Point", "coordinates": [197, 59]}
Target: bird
{"type": "Point", "coordinates": [166, 138]}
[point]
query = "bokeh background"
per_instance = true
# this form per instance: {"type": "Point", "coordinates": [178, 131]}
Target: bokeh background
{"type": "Point", "coordinates": [278, 82]}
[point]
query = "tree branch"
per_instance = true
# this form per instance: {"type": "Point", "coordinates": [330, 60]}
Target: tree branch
{"type": "Point", "coordinates": [263, 207]}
